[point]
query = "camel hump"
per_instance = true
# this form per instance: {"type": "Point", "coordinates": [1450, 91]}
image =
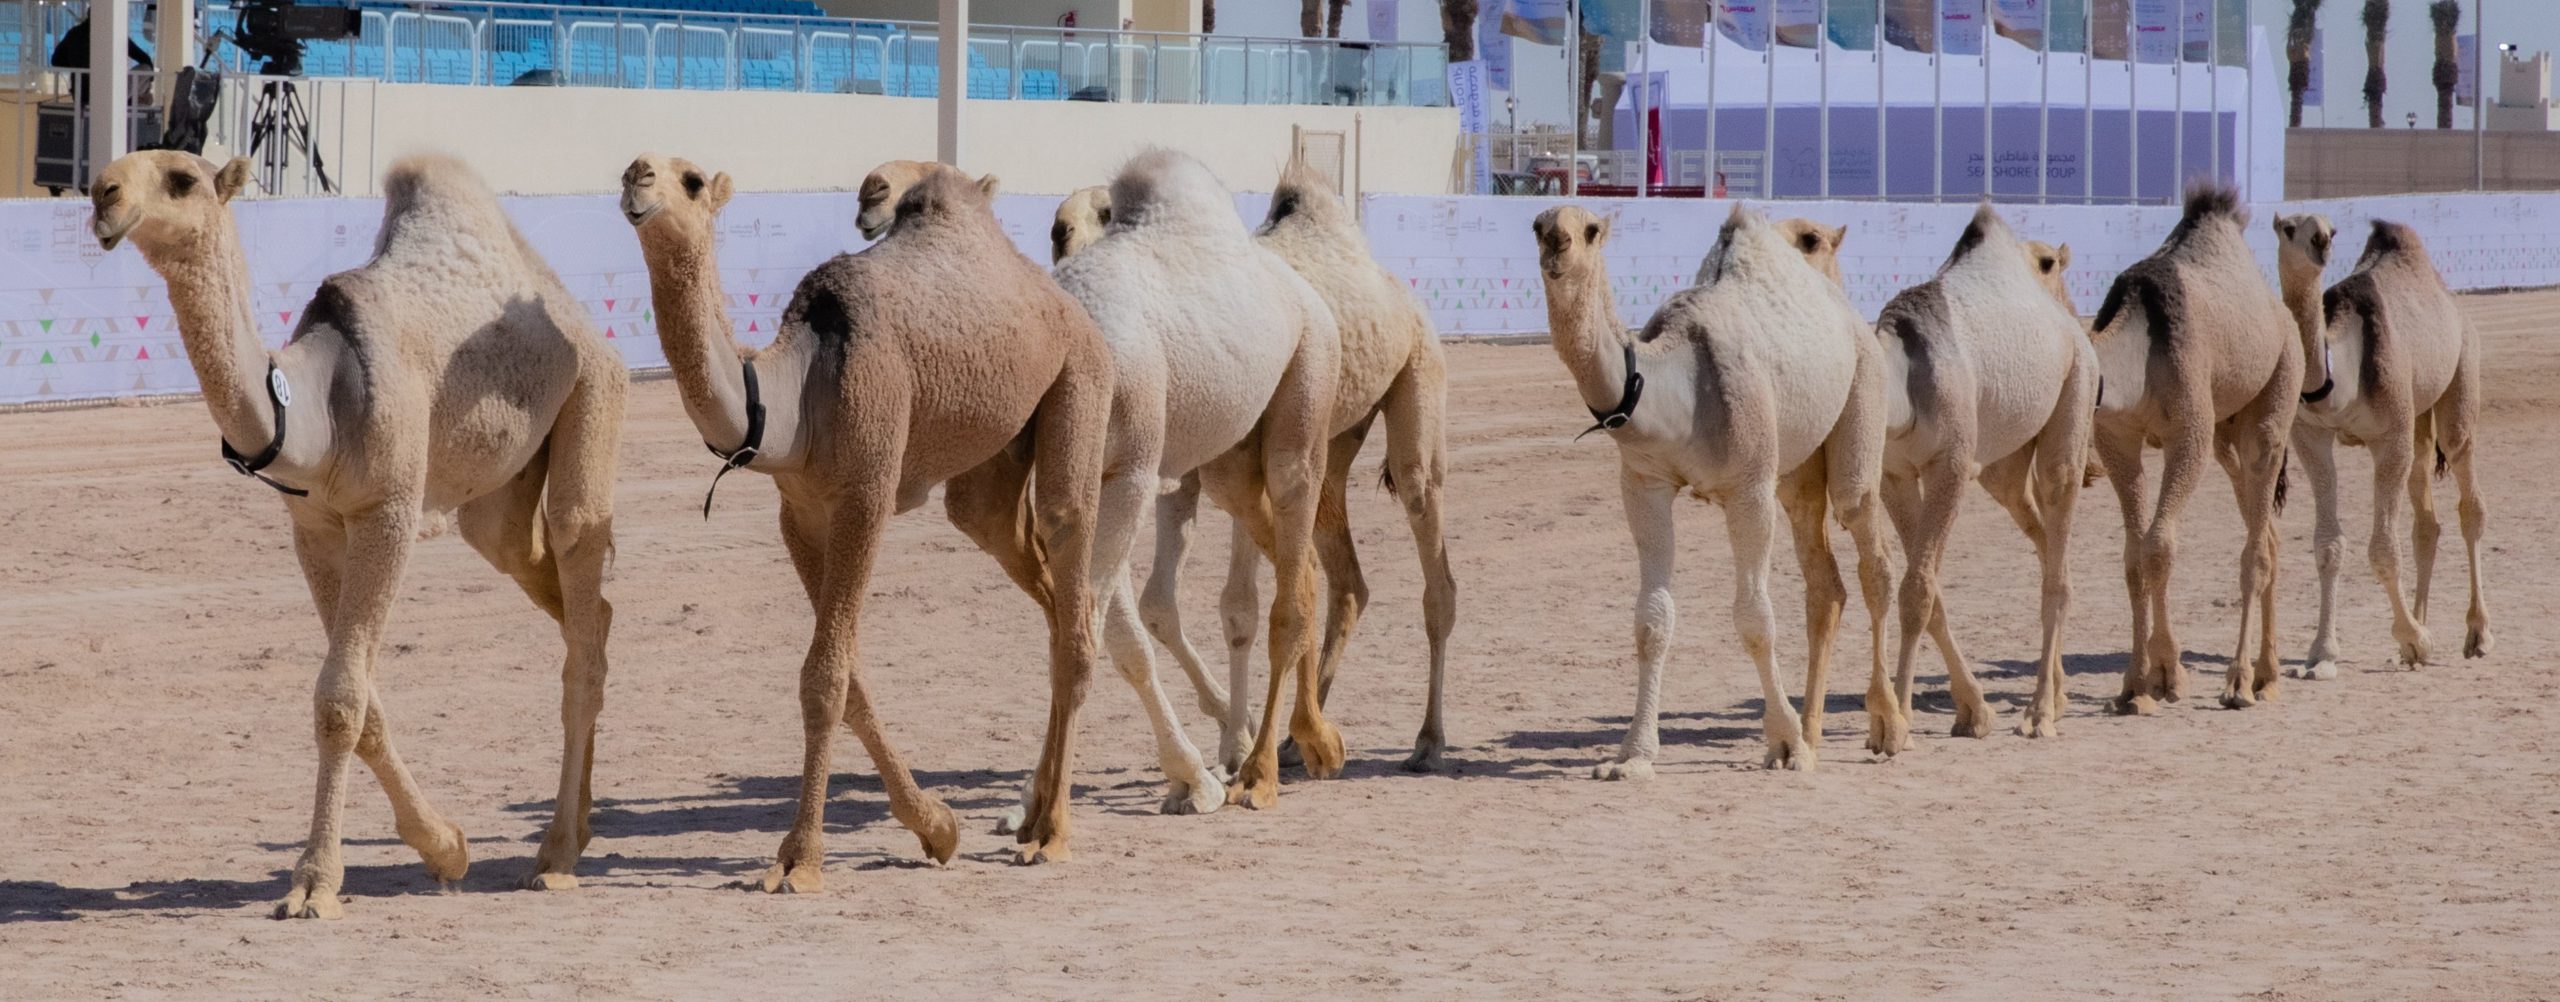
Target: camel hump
{"type": "Point", "coordinates": [2208, 200]}
{"type": "Point", "coordinates": [431, 177]}
{"type": "Point", "coordinates": [1160, 185]}
{"type": "Point", "coordinates": [1985, 227]}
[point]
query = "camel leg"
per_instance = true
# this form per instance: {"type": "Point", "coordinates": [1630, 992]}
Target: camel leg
{"type": "Point", "coordinates": [1192, 789]}
{"type": "Point", "coordinates": [831, 690]}
{"type": "Point", "coordinates": [2457, 418]}
{"type": "Point", "coordinates": [2425, 530]}
{"type": "Point", "coordinates": [1648, 505]}
{"type": "Point", "coordinates": [371, 551]}
{"type": "Point", "coordinates": [1902, 506]}
{"type": "Point", "coordinates": [1346, 592]}
{"type": "Point", "coordinates": [1751, 522]}
{"type": "Point", "coordinates": [2182, 457]}
{"type": "Point", "coordinates": [2022, 484]}
{"type": "Point", "coordinates": [1291, 451]}
{"type": "Point", "coordinates": [2391, 461]}
{"type": "Point", "coordinates": [2253, 458]}
{"type": "Point", "coordinates": [1417, 466]}
{"type": "Point", "coordinates": [991, 504]}
{"type": "Point", "coordinates": [577, 521]}
{"type": "Point", "coordinates": [2119, 449]}
{"type": "Point", "coordinates": [1068, 451]}
{"type": "Point", "coordinates": [1888, 726]}
{"type": "Point", "coordinates": [1160, 606]}
{"type": "Point", "coordinates": [1925, 522]}
{"type": "Point", "coordinates": [1239, 613]}
{"type": "Point", "coordinates": [2316, 449]}
{"type": "Point", "coordinates": [1803, 497]}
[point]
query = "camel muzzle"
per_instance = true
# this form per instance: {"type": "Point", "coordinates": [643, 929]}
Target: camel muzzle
{"type": "Point", "coordinates": [108, 234]}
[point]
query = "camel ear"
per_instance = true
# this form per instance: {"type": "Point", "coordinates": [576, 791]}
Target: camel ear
{"type": "Point", "coordinates": [2284, 228]}
{"type": "Point", "coordinates": [232, 179]}
{"type": "Point", "coordinates": [1837, 235]}
{"type": "Point", "coordinates": [1538, 228]}
{"type": "Point", "coordinates": [2062, 258]}
{"type": "Point", "coordinates": [718, 193]}
{"type": "Point", "coordinates": [987, 186]}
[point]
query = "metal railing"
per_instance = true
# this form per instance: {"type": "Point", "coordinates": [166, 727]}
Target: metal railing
{"type": "Point", "coordinates": [497, 44]}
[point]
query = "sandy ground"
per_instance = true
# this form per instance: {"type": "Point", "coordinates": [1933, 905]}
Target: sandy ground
{"type": "Point", "coordinates": [2388, 835]}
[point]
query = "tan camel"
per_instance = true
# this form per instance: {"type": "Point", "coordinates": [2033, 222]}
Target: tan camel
{"type": "Point", "coordinates": [452, 372]}
{"type": "Point", "coordinates": [1766, 395]}
{"type": "Point", "coordinates": [1081, 220]}
{"type": "Point", "coordinates": [2398, 371]}
{"type": "Point", "coordinates": [938, 356]}
{"type": "Point", "coordinates": [880, 192]}
{"type": "Point", "coordinates": [1390, 367]}
{"type": "Point", "coordinates": [2196, 353]}
{"type": "Point", "coordinates": [1990, 380]}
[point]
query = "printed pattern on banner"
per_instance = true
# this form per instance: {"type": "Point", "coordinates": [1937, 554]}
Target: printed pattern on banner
{"type": "Point", "coordinates": [79, 323]}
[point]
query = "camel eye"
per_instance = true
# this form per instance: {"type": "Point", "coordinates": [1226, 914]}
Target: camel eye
{"type": "Point", "coordinates": [1809, 242]}
{"type": "Point", "coordinates": [1590, 232]}
{"type": "Point", "coordinates": [693, 184]}
{"type": "Point", "coordinates": [181, 183]}
{"type": "Point", "coordinates": [1104, 216]}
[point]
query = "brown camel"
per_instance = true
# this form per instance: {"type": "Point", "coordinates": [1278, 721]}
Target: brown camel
{"type": "Point", "coordinates": [938, 356]}
{"type": "Point", "coordinates": [2398, 370]}
{"type": "Point", "coordinates": [2196, 353]}
{"type": "Point", "coordinates": [452, 372]}
{"type": "Point", "coordinates": [881, 192]}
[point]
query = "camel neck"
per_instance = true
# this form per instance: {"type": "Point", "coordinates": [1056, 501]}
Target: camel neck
{"type": "Point", "coordinates": [1582, 321]}
{"type": "Point", "coordinates": [2302, 299]}
{"type": "Point", "coordinates": [694, 330]}
{"type": "Point", "coordinates": [208, 283]}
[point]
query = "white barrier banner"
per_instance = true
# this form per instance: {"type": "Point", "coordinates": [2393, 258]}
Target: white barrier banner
{"type": "Point", "coordinates": [1474, 266]}
{"type": "Point", "coordinates": [77, 323]}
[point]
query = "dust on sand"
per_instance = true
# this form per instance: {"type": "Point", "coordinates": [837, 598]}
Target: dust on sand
{"type": "Point", "coordinates": [2386, 835]}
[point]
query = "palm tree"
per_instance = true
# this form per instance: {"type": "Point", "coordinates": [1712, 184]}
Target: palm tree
{"type": "Point", "coordinates": [1311, 18]}
{"type": "Point", "coordinates": [1458, 28]}
{"type": "Point", "coordinates": [1333, 19]}
{"type": "Point", "coordinates": [2446, 15]}
{"type": "Point", "coordinates": [1208, 16]}
{"type": "Point", "coordinates": [2377, 24]}
{"type": "Point", "coordinates": [2297, 50]}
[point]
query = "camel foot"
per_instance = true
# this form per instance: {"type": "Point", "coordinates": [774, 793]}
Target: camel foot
{"type": "Point", "coordinates": [2415, 647]}
{"type": "Point", "coordinates": [2265, 687]}
{"type": "Point", "coordinates": [1011, 821]}
{"type": "Point", "coordinates": [1053, 850]}
{"type": "Point", "coordinates": [1194, 798]}
{"type": "Point", "coordinates": [791, 878]}
{"type": "Point", "coordinates": [1289, 755]}
{"type": "Point", "coordinates": [2318, 670]}
{"type": "Point", "coordinates": [940, 833]}
{"type": "Point", "coordinates": [542, 881]}
{"type": "Point", "coordinates": [1638, 769]}
{"type": "Point", "coordinates": [1426, 756]}
{"type": "Point", "coordinates": [1794, 756]}
{"type": "Point", "coordinates": [1322, 753]}
{"type": "Point", "coordinates": [1888, 734]}
{"type": "Point", "coordinates": [306, 901]}
{"type": "Point", "coordinates": [2040, 725]}
{"type": "Point", "coordinates": [2134, 704]}
{"type": "Point", "coordinates": [2237, 698]}
{"type": "Point", "coordinates": [1973, 720]}
{"type": "Point", "coordinates": [1257, 786]}
{"type": "Point", "coordinates": [2476, 642]}
{"type": "Point", "coordinates": [448, 856]}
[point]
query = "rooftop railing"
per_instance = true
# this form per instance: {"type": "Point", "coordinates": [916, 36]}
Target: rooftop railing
{"type": "Point", "coordinates": [527, 44]}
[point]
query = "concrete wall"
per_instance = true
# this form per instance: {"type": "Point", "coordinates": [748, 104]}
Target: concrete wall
{"type": "Point", "coordinates": [1038, 13]}
{"type": "Point", "coordinates": [544, 140]}
{"type": "Point", "coordinates": [2341, 163]}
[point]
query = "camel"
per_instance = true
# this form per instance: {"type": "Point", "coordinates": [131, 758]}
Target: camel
{"type": "Point", "coordinates": [940, 355]}
{"type": "Point", "coordinates": [1225, 361]}
{"type": "Point", "coordinates": [2196, 354]}
{"type": "Point", "coordinates": [451, 372]}
{"type": "Point", "coordinates": [1390, 367]}
{"type": "Point", "coordinates": [1081, 220]}
{"type": "Point", "coordinates": [1990, 381]}
{"type": "Point", "coordinates": [881, 192]}
{"type": "Point", "coordinates": [1767, 395]}
{"type": "Point", "coordinates": [2400, 372]}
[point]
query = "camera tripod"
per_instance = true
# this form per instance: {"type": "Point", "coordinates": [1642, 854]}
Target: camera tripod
{"type": "Point", "coordinates": [279, 125]}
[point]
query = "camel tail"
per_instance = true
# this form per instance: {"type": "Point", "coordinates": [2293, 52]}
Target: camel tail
{"type": "Point", "coordinates": [2442, 462]}
{"type": "Point", "coordinates": [1387, 474]}
{"type": "Point", "coordinates": [2284, 478]}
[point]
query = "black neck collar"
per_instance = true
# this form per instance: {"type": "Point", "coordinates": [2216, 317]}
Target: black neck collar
{"type": "Point", "coordinates": [1628, 393]}
{"type": "Point", "coordinates": [731, 459]}
{"type": "Point", "coordinates": [279, 396]}
{"type": "Point", "coordinates": [2328, 377]}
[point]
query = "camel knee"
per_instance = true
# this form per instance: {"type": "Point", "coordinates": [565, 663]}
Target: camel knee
{"type": "Point", "coordinates": [2158, 556]}
{"type": "Point", "coordinates": [338, 718]}
{"type": "Point", "coordinates": [1656, 614]}
{"type": "Point", "coordinates": [2474, 516]}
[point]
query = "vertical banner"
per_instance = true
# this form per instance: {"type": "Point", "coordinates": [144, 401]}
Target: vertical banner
{"type": "Point", "coordinates": [1382, 20]}
{"type": "Point", "coordinates": [1544, 22]}
{"type": "Point", "coordinates": [1960, 27]}
{"type": "Point", "coordinates": [1744, 21]}
{"type": "Point", "coordinates": [2195, 35]}
{"type": "Point", "coordinates": [1911, 24]}
{"type": "Point", "coordinates": [2154, 31]}
{"type": "Point", "coordinates": [2466, 86]}
{"type": "Point", "coordinates": [2311, 91]}
{"type": "Point", "coordinates": [1467, 94]}
{"type": "Point", "coordinates": [2109, 28]}
{"type": "Point", "coordinates": [1796, 23]}
{"type": "Point", "coordinates": [1853, 24]}
{"type": "Point", "coordinates": [2021, 21]}
{"type": "Point", "coordinates": [1682, 23]}
{"type": "Point", "coordinates": [1493, 46]}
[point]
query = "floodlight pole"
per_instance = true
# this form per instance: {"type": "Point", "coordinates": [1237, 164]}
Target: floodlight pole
{"type": "Point", "coordinates": [2480, 94]}
{"type": "Point", "coordinates": [110, 86]}
{"type": "Point", "coordinates": [953, 88]}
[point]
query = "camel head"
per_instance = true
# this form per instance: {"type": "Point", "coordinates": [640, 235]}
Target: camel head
{"type": "Point", "coordinates": [2302, 248]}
{"type": "Point", "coordinates": [1819, 244]}
{"type": "Point", "coordinates": [162, 197]}
{"type": "Point", "coordinates": [1569, 241]}
{"type": "Point", "coordinates": [942, 192]}
{"type": "Point", "coordinates": [2049, 263]}
{"type": "Point", "coordinates": [881, 191]}
{"type": "Point", "coordinates": [672, 197]}
{"type": "Point", "coordinates": [1304, 197]}
{"type": "Point", "coordinates": [1081, 220]}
